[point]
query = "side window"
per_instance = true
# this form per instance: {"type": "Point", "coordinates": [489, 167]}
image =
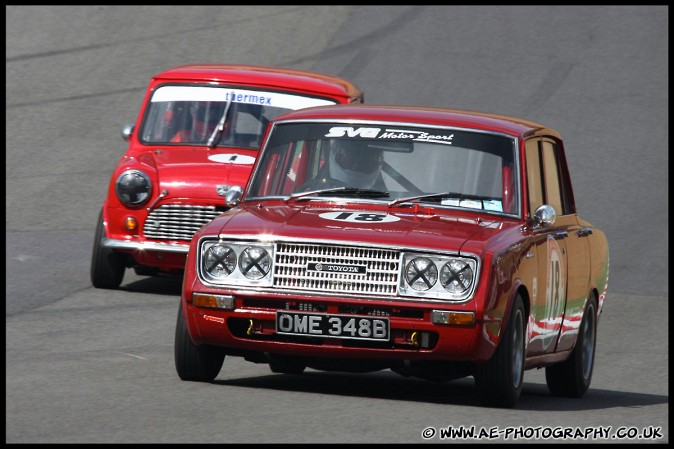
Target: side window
{"type": "Point", "coordinates": [553, 191]}
{"type": "Point", "coordinates": [545, 185]}
{"type": "Point", "coordinates": [534, 175]}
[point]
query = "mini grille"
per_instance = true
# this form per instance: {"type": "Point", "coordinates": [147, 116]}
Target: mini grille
{"type": "Point", "coordinates": [178, 221]}
{"type": "Point", "coordinates": [292, 262]}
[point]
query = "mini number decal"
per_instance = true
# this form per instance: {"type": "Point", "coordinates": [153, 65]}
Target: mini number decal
{"type": "Point", "coordinates": [240, 159]}
{"type": "Point", "coordinates": [359, 217]}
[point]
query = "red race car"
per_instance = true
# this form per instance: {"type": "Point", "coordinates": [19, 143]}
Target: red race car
{"type": "Point", "coordinates": [436, 243]}
{"type": "Point", "coordinates": [196, 138]}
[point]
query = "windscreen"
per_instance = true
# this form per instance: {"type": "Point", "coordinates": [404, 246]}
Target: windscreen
{"type": "Point", "coordinates": [180, 114]}
{"type": "Point", "coordinates": [386, 163]}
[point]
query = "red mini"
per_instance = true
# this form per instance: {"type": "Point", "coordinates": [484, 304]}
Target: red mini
{"type": "Point", "coordinates": [196, 138]}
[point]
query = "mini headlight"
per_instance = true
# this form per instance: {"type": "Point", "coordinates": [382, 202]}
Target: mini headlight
{"type": "Point", "coordinates": [421, 273]}
{"type": "Point", "coordinates": [133, 187]}
{"type": "Point", "coordinates": [219, 261]}
{"type": "Point", "coordinates": [456, 276]}
{"type": "Point", "coordinates": [254, 262]}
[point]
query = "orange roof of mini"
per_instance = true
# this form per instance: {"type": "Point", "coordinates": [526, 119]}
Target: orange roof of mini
{"type": "Point", "coordinates": [265, 76]}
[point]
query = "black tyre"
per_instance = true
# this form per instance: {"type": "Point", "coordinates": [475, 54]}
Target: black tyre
{"type": "Point", "coordinates": [196, 363]}
{"type": "Point", "coordinates": [572, 377]}
{"type": "Point", "coordinates": [285, 365]}
{"type": "Point", "coordinates": [107, 266]}
{"type": "Point", "coordinates": [499, 381]}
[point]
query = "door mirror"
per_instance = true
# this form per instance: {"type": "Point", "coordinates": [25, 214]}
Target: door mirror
{"type": "Point", "coordinates": [233, 196]}
{"type": "Point", "coordinates": [544, 216]}
{"type": "Point", "coordinates": [127, 131]}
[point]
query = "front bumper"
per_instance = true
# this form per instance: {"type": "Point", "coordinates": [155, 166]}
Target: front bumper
{"type": "Point", "coordinates": [166, 257]}
{"type": "Point", "coordinates": [145, 246]}
{"type": "Point", "coordinates": [251, 326]}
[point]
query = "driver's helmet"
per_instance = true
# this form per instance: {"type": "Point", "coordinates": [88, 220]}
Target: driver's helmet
{"type": "Point", "coordinates": [354, 163]}
{"type": "Point", "coordinates": [205, 117]}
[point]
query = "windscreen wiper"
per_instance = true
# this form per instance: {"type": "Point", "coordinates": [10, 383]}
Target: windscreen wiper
{"type": "Point", "coordinates": [369, 193]}
{"type": "Point", "coordinates": [453, 195]}
{"type": "Point", "coordinates": [217, 132]}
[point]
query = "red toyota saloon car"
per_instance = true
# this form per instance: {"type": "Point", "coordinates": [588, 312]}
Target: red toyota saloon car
{"type": "Point", "coordinates": [196, 137]}
{"type": "Point", "coordinates": [435, 243]}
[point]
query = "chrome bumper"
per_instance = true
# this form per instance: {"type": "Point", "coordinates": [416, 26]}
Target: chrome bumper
{"type": "Point", "coordinates": [145, 246]}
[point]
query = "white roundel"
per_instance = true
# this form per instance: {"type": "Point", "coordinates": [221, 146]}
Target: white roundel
{"type": "Point", "coordinates": [230, 158]}
{"type": "Point", "coordinates": [555, 291]}
{"type": "Point", "coordinates": [359, 217]}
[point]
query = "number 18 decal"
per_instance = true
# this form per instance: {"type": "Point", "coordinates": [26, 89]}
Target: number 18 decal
{"type": "Point", "coordinates": [359, 217]}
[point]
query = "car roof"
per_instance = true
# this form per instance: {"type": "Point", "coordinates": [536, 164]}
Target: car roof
{"type": "Point", "coordinates": [271, 77]}
{"type": "Point", "coordinates": [423, 115]}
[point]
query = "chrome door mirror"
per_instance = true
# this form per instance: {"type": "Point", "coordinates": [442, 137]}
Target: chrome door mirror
{"type": "Point", "coordinates": [233, 196]}
{"type": "Point", "coordinates": [127, 131]}
{"type": "Point", "coordinates": [544, 216]}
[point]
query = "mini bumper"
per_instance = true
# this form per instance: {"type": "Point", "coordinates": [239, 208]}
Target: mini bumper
{"type": "Point", "coordinates": [145, 246]}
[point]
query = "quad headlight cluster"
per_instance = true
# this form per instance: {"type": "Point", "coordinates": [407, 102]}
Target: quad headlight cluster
{"type": "Point", "coordinates": [437, 276]}
{"type": "Point", "coordinates": [251, 264]}
{"type": "Point", "coordinates": [236, 263]}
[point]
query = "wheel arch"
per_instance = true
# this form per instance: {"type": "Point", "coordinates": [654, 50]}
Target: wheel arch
{"type": "Point", "coordinates": [595, 293]}
{"type": "Point", "coordinates": [518, 289]}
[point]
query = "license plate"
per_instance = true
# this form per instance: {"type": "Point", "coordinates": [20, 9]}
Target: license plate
{"type": "Point", "coordinates": [334, 326]}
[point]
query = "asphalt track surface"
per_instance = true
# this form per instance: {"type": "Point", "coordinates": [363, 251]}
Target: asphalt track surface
{"type": "Point", "coordinates": [94, 366]}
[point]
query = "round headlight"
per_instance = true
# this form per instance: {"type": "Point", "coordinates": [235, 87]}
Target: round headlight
{"type": "Point", "coordinates": [255, 262]}
{"type": "Point", "coordinates": [133, 187]}
{"type": "Point", "coordinates": [456, 276]}
{"type": "Point", "coordinates": [219, 261]}
{"type": "Point", "coordinates": [421, 273]}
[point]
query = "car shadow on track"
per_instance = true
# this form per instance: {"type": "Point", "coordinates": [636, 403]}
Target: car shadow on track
{"type": "Point", "coordinates": [160, 285]}
{"type": "Point", "coordinates": [391, 386]}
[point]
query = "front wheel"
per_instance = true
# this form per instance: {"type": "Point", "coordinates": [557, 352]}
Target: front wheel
{"type": "Point", "coordinates": [499, 381]}
{"type": "Point", "coordinates": [200, 363]}
{"type": "Point", "coordinates": [107, 266]}
{"type": "Point", "coordinates": [572, 377]}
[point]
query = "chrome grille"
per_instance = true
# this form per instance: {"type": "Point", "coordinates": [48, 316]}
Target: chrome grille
{"type": "Point", "coordinates": [178, 221]}
{"type": "Point", "coordinates": [293, 259]}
